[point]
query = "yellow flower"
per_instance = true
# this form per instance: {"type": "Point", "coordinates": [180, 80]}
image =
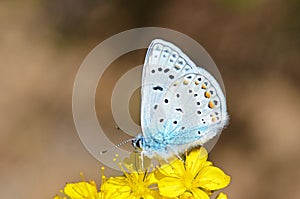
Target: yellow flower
{"type": "Point", "coordinates": [221, 196]}
{"type": "Point", "coordinates": [81, 190]}
{"type": "Point", "coordinates": [193, 178]}
{"type": "Point", "coordinates": [133, 185]}
{"type": "Point", "coordinates": [59, 197]}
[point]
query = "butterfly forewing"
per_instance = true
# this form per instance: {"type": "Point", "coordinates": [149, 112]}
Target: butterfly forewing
{"type": "Point", "coordinates": [164, 63]}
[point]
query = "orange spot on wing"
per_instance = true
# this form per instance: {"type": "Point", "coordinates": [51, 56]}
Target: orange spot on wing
{"type": "Point", "coordinates": [207, 94]}
{"type": "Point", "coordinates": [211, 104]}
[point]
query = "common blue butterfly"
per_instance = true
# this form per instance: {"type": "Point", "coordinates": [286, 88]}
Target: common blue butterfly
{"type": "Point", "coordinates": [182, 105]}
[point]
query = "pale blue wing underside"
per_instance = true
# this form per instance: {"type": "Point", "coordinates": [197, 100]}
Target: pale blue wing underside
{"type": "Point", "coordinates": [182, 104]}
{"type": "Point", "coordinates": [194, 112]}
{"type": "Point", "coordinates": [163, 64]}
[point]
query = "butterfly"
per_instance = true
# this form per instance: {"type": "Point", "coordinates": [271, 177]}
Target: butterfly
{"type": "Point", "coordinates": [182, 105]}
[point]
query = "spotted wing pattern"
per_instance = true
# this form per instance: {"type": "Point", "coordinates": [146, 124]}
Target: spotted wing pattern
{"type": "Point", "coordinates": [182, 104]}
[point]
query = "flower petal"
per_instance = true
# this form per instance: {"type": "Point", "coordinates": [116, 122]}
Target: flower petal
{"type": "Point", "coordinates": [134, 185]}
{"type": "Point", "coordinates": [221, 196]}
{"type": "Point", "coordinates": [116, 187]}
{"type": "Point", "coordinates": [175, 169]}
{"type": "Point", "coordinates": [164, 197]}
{"type": "Point", "coordinates": [199, 194]}
{"type": "Point", "coordinates": [195, 160]}
{"type": "Point", "coordinates": [150, 179]}
{"type": "Point", "coordinates": [212, 178]}
{"type": "Point", "coordinates": [57, 197]}
{"type": "Point", "coordinates": [80, 190]}
{"type": "Point", "coordinates": [171, 187]}
{"type": "Point", "coordinates": [187, 195]}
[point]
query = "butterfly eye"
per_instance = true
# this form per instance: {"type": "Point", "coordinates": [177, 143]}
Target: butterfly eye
{"type": "Point", "coordinates": [137, 143]}
{"type": "Point", "coordinates": [175, 122]}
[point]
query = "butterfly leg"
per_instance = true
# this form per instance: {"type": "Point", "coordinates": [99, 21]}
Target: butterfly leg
{"type": "Point", "coordinates": [175, 153]}
{"type": "Point", "coordinates": [142, 160]}
{"type": "Point", "coordinates": [178, 156]}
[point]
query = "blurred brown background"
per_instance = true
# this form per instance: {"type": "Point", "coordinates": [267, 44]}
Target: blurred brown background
{"type": "Point", "coordinates": [255, 44]}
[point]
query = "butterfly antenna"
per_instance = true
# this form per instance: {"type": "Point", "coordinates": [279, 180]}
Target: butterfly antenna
{"type": "Point", "coordinates": [118, 145]}
{"type": "Point", "coordinates": [119, 129]}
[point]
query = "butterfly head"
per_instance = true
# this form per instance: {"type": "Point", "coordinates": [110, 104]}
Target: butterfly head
{"type": "Point", "coordinates": [138, 142]}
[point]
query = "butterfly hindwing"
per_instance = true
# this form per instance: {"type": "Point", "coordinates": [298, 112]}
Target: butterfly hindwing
{"type": "Point", "coordinates": [195, 112]}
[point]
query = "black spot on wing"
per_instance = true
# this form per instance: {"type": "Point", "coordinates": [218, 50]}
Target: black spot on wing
{"type": "Point", "coordinates": [179, 109]}
{"type": "Point", "coordinates": [158, 88]}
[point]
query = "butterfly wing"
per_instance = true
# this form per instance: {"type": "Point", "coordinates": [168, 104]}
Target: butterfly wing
{"type": "Point", "coordinates": [181, 104]}
{"type": "Point", "coordinates": [195, 112]}
{"type": "Point", "coordinates": [163, 64]}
